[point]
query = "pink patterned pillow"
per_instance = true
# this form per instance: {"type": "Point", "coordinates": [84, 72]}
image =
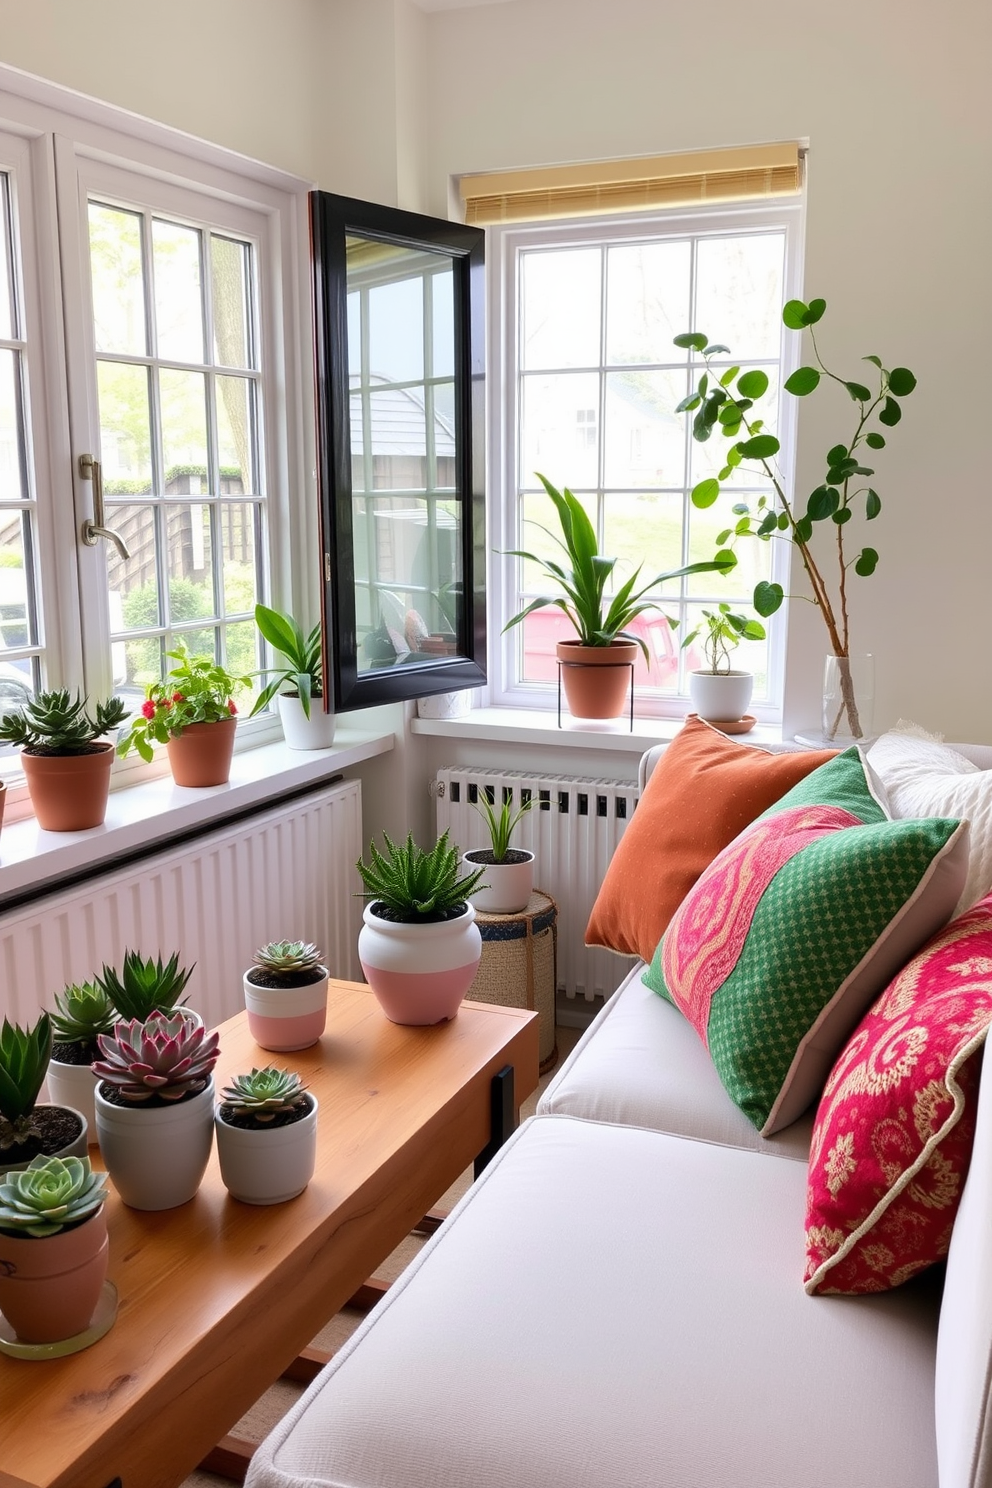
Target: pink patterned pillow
{"type": "Point", "coordinates": [893, 1132]}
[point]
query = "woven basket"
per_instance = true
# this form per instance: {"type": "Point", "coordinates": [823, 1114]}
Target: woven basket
{"type": "Point", "coordinates": [519, 965]}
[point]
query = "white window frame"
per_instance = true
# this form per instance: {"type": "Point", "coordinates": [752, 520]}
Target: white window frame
{"type": "Point", "coordinates": [502, 250]}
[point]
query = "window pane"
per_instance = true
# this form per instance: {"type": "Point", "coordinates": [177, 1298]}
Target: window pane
{"type": "Point", "coordinates": [708, 459]}
{"type": "Point", "coordinates": [396, 331]}
{"type": "Point", "coordinates": [118, 281]}
{"type": "Point", "coordinates": [644, 529]}
{"type": "Point", "coordinates": [236, 536]}
{"type": "Point", "coordinates": [754, 557]}
{"type": "Point", "coordinates": [739, 292]}
{"type": "Point", "coordinates": [560, 297]}
{"type": "Point", "coordinates": [201, 642]}
{"type": "Point", "coordinates": [241, 647]}
{"type": "Point", "coordinates": [645, 437]}
{"type": "Point", "coordinates": [125, 437]}
{"type": "Point", "coordinates": [399, 439]}
{"type": "Point", "coordinates": [7, 321]}
{"type": "Point", "coordinates": [354, 336]}
{"type": "Point", "coordinates": [560, 433]}
{"type": "Point", "coordinates": [178, 293]}
{"type": "Point", "coordinates": [230, 284]}
{"type": "Point", "coordinates": [11, 471]}
{"type": "Point", "coordinates": [189, 555]}
{"type": "Point", "coordinates": [184, 426]}
{"type": "Point", "coordinates": [358, 481]}
{"type": "Point", "coordinates": [443, 347]}
{"type": "Point", "coordinates": [16, 619]}
{"type": "Point", "coordinates": [647, 300]}
{"type": "Point", "coordinates": [444, 435]}
{"type": "Point", "coordinates": [133, 584]}
{"type": "Point", "coordinates": [235, 435]}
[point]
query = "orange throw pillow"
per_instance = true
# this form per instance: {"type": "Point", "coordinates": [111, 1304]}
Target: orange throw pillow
{"type": "Point", "coordinates": [703, 792]}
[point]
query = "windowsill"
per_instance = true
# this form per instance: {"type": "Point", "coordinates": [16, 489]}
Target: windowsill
{"type": "Point", "coordinates": [156, 811]}
{"type": "Point", "coordinates": [529, 726]}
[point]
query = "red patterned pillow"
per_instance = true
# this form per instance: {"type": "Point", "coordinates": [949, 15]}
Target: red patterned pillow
{"type": "Point", "coordinates": [893, 1133]}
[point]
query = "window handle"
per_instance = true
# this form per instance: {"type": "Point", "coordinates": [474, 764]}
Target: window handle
{"type": "Point", "coordinates": [89, 469]}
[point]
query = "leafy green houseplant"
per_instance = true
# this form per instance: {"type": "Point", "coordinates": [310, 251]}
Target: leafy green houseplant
{"type": "Point", "coordinates": [721, 693]}
{"type": "Point", "coordinates": [296, 685]}
{"type": "Point", "coordinates": [28, 1130]}
{"type": "Point", "coordinates": [192, 710]}
{"type": "Point", "coordinates": [66, 760]}
{"type": "Point", "coordinates": [286, 995]}
{"type": "Point", "coordinates": [509, 870]}
{"type": "Point", "coordinates": [725, 402]}
{"type": "Point", "coordinates": [266, 1136]}
{"type": "Point", "coordinates": [419, 946]}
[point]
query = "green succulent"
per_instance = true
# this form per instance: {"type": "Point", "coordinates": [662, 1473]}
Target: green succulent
{"type": "Point", "coordinates": [287, 958]}
{"type": "Point", "coordinates": [82, 1012]}
{"type": "Point", "coordinates": [57, 723]}
{"type": "Point", "coordinates": [501, 823]}
{"type": "Point", "coordinates": [264, 1094]}
{"type": "Point", "coordinates": [414, 884]}
{"type": "Point", "coordinates": [24, 1056]}
{"type": "Point", "coordinates": [145, 986]}
{"type": "Point", "coordinates": [49, 1195]}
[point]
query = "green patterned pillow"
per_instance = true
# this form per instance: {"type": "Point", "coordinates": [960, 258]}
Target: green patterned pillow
{"type": "Point", "coordinates": [797, 926]}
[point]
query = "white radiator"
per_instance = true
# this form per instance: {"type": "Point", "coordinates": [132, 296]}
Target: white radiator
{"type": "Point", "coordinates": [286, 873]}
{"type": "Point", "coordinates": [572, 830]}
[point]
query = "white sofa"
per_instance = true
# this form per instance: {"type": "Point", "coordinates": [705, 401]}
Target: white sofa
{"type": "Point", "coordinates": [619, 1301]}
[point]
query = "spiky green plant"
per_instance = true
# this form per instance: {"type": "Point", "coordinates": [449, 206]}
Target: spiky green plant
{"type": "Point", "coordinates": [501, 823]}
{"type": "Point", "coordinates": [145, 986]}
{"type": "Point", "coordinates": [82, 1012]}
{"type": "Point", "coordinates": [287, 958]}
{"type": "Point", "coordinates": [57, 723]}
{"type": "Point", "coordinates": [413, 884]}
{"type": "Point", "coordinates": [49, 1195]}
{"type": "Point", "coordinates": [263, 1094]}
{"type": "Point", "coordinates": [164, 1056]}
{"type": "Point", "coordinates": [24, 1056]}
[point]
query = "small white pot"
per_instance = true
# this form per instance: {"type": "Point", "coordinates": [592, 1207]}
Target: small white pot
{"type": "Point", "coordinates": [267, 1166]}
{"type": "Point", "coordinates": [420, 973]}
{"type": "Point", "coordinates": [721, 696]}
{"type": "Point", "coordinates": [508, 886]}
{"type": "Point", "coordinates": [286, 1018]}
{"type": "Point", "coordinates": [74, 1085]}
{"type": "Point", "coordinates": [156, 1156]}
{"type": "Point", "coordinates": [301, 732]}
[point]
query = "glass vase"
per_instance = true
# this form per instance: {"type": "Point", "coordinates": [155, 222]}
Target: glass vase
{"type": "Point", "coordinates": [848, 699]}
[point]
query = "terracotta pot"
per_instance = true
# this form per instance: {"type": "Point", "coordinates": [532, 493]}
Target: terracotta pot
{"type": "Point", "coordinates": [69, 792]}
{"type": "Point", "coordinates": [596, 679]}
{"type": "Point", "coordinates": [49, 1288]}
{"type": "Point", "coordinates": [420, 973]}
{"type": "Point", "coordinates": [201, 755]}
{"type": "Point", "coordinates": [285, 1018]}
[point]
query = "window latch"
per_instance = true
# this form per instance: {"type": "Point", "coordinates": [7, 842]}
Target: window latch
{"type": "Point", "coordinates": [89, 469]}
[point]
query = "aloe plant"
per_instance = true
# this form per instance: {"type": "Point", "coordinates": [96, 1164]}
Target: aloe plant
{"type": "Point", "coordinates": [24, 1056]}
{"type": "Point", "coordinates": [164, 1056]}
{"type": "Point", "coordinates": [302, 652]}
{"type": "Point", "coordinates": [263, 1094]}
{"type": "Point", "coordinates": [285, 960]}
{"type": "Point", "coordinates": [501, 823]}
{"type": "Point", "coordinates": [49, 1195]}
{"type": "Point", "coordinates": [82, 1012]}
{"type": "Point", "coordinates": [56, 723]}
{"type": "Point", "coordinates": [416, 885]}
{"type": "Point", "coordinates": [145, 986]}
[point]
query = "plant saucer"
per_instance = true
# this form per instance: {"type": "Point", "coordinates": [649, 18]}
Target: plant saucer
{"type": "Point", "coordinates": [732, 725]}
{"type": "Point", "coordinates": [103, 1321]}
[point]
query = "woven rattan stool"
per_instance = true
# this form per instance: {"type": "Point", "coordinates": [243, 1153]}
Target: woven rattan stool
{"type": "Point", "coordinates": [520, 963]}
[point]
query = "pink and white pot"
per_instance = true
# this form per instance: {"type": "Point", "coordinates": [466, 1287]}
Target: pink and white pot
{"type": "Point", "coordinates": [50, 1287]}
{"type": "Point", "coordinates": [419, 972]}
{"type": "Point", "coordinates": [286, 1018]}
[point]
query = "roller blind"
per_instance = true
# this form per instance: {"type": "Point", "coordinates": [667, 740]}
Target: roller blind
{"type": "Point", "coordinates": [642, 184]}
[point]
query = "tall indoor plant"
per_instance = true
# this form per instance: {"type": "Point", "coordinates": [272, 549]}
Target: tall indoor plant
{"type": "Point", "coordinates": [595, 665]}
{"type": "Point", "coordinates": [298, 684]}
{"type": "Point", "coordinates": [724, 401]}
{"type": "Point", "coordinates": [65, 758]}
{"type": "Point", "coordinates": [194, 714]}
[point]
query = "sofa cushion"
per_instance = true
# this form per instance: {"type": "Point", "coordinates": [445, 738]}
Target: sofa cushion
{"type": "Point", "coordinates": [641, 1064]}
{"type": "Point", "coordinates": [703, 791]}
{"type": "Point", "coordinates": [610, 1305]}
{"type": "Point", "coordinates": [796, 926]}
{"type": "Point", "coordinates": [923, 777]}
{"type": "Point", "coordinates": [892, 1137]}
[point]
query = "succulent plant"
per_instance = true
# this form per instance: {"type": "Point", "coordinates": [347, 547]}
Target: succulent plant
{"type": "Point", "coordinates": [416, 885]}
{"type": "Point", "coordinates": [287, 958]}
{"type": "Point", "coordinates": [264, 1094]}
{"type": "Point", "coordinates": [49, 1195]}
{"type": "Point", "coordinates": [57, 723]}
{"type": "Point", "coordinates": [83, 1011]}
{"type": "Point", "coordinates": [24, 1056]}
{"type": "Point", "coordinates": [164, 1056]}
{"type": "Point", "coordinates": [145, 986]}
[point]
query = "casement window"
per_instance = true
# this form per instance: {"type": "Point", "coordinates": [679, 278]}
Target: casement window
{"type": "Point", "coordinates": [585, 382]}
{"type": "Point", "coordinates": [151, 354]}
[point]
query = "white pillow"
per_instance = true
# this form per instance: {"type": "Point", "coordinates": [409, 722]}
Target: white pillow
{"type": "Point", "coordinates": [921, 777]}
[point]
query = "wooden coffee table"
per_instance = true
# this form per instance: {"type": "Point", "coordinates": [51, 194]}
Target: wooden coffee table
{"type": "Point", "coordinates": [217, 1298]}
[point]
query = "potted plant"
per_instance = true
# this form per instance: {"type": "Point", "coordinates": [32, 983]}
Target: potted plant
{"type": "Point", "coordinates": [596, 665]}
{"type": "Point", "coordinates": [53, 1248]}
{"type": "Point", "coordinates": [145, 985]}
{"type": "Point", "coordinates": [27, 1129]}
{"type": "Point", "coordinates": [155, 1107]}
{"type": "Point", "coordinates": [266, 1136]}
{"type": "Point", "coordinates": [719, 692]}
{"type": "Point", "coordinates": [286, 995]}
{"type": "Point", "coordinates": [509, 870]}
{"type": "Point", "coordinates": [296, 685]}
{"type": "Point", "coordinates": [65, 759]}
{"type": "Point", "coordinates": [194, 715]}
{"type": "Point", "coordinates": [82, 1013]}
{"type": "Point", "coordinates": [723, 400]}
{"type": "Point", "coordinates": [419, 945]}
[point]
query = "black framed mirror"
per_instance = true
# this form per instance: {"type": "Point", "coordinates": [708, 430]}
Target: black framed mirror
{"type": "Point", "coordinates": [399, 332]}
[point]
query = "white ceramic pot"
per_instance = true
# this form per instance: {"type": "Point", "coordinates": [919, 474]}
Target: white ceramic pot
{"type": "Point", "coordinates": [267, 1165]}
{"type": "Point", "coordinates": [75, 1148]}
{"type": "Point", "coordinates": [508, 885]}
{"type": "Point", "coordinates": [285, 1018]}
{"type": "Point", "coordinates": [156, 1156]}
{"type": "Point", "coordinates": [420, 973]}
{"type": "Point", "coordinates": [301, 732]}
{"type": "Point", "coordinates": [74, 1085]}
{"type": "Point", "coordinates": [721, 696]}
